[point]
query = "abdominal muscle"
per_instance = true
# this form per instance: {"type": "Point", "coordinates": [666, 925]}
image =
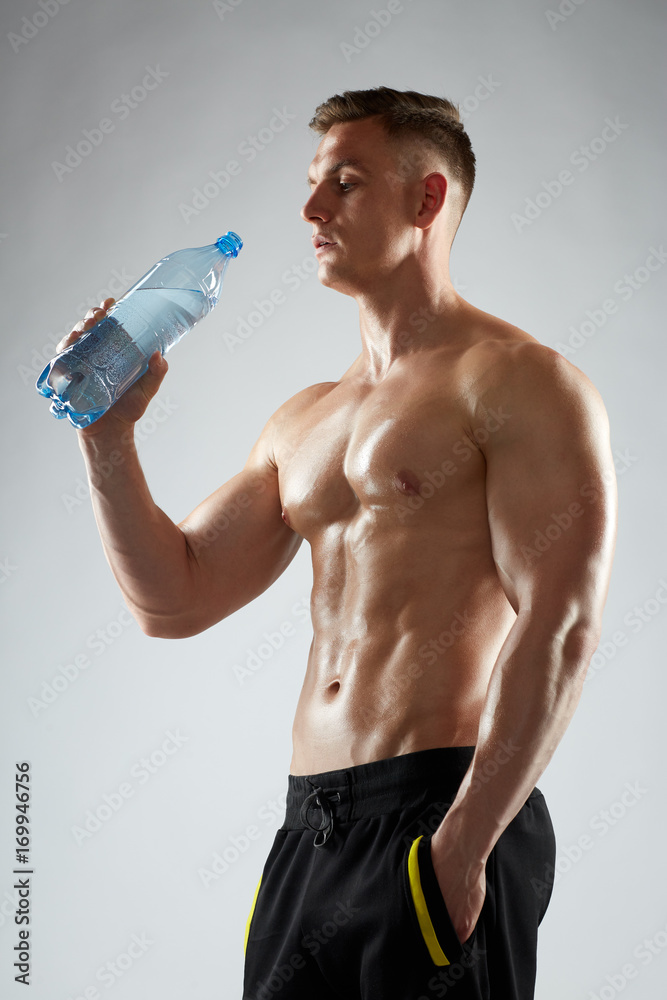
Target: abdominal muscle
{"type": "Point", "coordinates": [406, 635]}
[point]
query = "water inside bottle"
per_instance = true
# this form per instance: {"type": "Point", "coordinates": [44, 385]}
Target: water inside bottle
{"type": "Point", "coordinates": [158, 317]}
{"type": "Point", "coordinates": [88, 377]}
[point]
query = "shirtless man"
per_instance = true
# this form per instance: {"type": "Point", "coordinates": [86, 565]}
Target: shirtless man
{"type": "Point", "coordinates": [457, 488]}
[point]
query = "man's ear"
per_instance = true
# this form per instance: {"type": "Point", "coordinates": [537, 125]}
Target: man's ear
{"type": "Point", "coordinates": [433, 192]}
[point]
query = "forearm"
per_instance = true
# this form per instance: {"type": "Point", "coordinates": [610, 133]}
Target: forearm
{"type": "Point", "coordinates": [532, 695]}
{"type": "Point", "coordinates": [146, 551]}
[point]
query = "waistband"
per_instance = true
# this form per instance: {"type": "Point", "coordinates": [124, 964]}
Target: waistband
{"type": "Point", "coordinates": [370, 789]}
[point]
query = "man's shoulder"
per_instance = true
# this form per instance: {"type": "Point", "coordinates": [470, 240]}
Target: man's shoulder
{"type": "Point", "coordinates": [286, 421]}
{"type": "Point", "coordinates": [506, 360]}
{"type": "Point", "coordinates": [496, 341]}
{"type": "Point", "coordinates": [296, 407]}
{"type": "Point", "coordinates": [512, 373]}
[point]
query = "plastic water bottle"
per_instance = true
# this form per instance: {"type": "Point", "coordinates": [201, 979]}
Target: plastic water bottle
{"type": "Point", "coordinates": [85, 379]}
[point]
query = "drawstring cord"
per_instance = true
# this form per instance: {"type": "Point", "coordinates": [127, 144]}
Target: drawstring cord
{"type": "Point", "coordinates": [322, 799]}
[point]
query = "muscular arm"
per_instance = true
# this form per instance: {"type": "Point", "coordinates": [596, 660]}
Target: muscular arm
{"type": "Point", "coordinates": [551, 498]}
{"type": "Point", "coordinates": [179, 579]}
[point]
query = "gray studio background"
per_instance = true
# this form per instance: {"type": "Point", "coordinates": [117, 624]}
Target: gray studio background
{"type": "Point", "coordinates": [538, 83]}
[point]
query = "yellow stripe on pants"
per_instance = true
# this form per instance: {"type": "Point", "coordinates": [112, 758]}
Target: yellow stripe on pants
{"type": "Point", "coordinates": [423, 916]}
{"type": "Point", "coordinates": [252, 910]}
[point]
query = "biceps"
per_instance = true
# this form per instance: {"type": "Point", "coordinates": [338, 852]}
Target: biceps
{"type": "Point", "coordinates": [246, 499]}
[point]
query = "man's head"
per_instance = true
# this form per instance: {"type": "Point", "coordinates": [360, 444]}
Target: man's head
{"type": "Point", "coordinates": [391, 165]}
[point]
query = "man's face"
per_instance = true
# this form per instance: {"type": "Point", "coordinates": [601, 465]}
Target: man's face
{"type": "Point", "coordinates": [362, 205]}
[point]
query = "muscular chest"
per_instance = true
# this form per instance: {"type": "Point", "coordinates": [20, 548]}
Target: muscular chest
{"type": "Point", "coordinates": [405, 442]}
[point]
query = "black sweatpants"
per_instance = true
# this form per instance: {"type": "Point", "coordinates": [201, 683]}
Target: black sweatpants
{"type": "Point", "coordinates": [349, 908]}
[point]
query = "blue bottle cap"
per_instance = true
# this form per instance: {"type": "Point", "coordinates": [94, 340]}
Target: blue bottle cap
{"type": "Point", "coordinates": [230, 244]}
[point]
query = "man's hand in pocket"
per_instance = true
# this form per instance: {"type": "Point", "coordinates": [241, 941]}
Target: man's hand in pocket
{"type": "Point", "coordinates": [461, 877]}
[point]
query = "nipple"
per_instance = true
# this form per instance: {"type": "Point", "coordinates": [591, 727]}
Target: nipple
{"type": "Point", "coordinates": [407, 482]}
{"type": "Point", "coordinates": [285, 517]}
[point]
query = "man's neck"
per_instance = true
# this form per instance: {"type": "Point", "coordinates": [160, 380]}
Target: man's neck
{"type": "Point", "coordinates": [411, 313]}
